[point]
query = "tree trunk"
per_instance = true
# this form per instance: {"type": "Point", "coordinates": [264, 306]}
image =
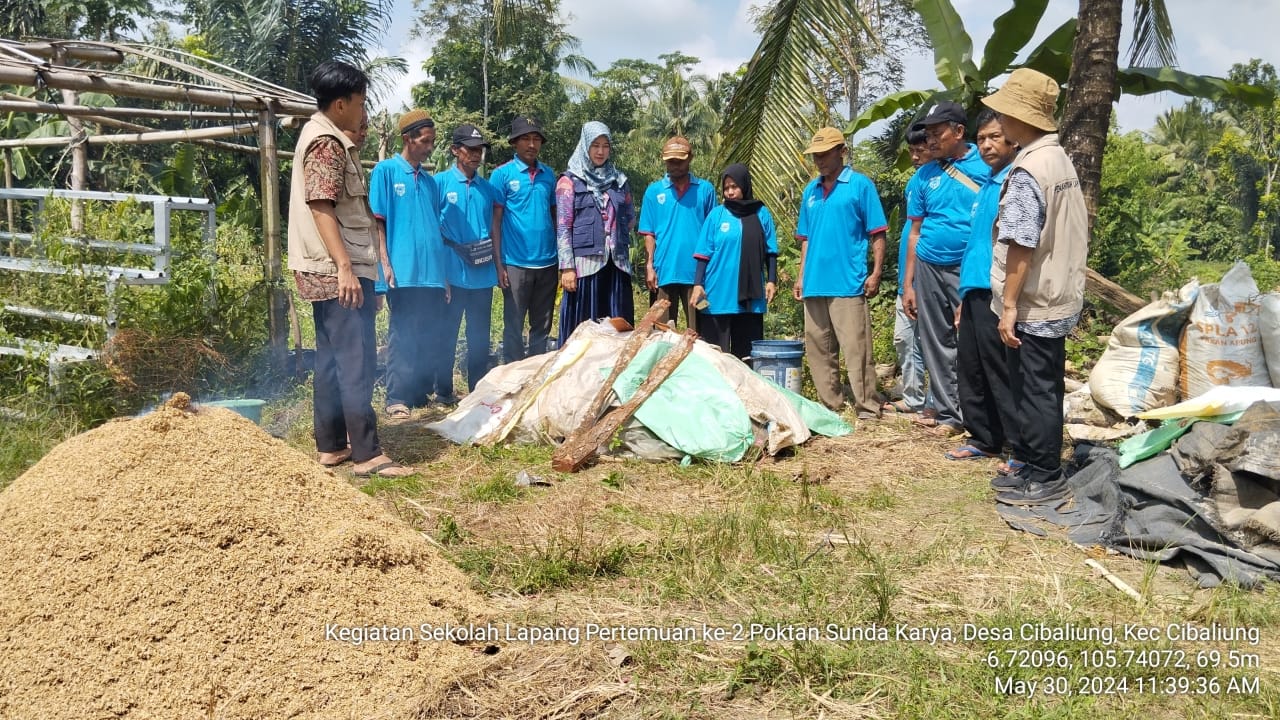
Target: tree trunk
{"type": "Point", "coordinates": [1091, 92]}
{"type": "Point", "coordinates": [1086, 117]}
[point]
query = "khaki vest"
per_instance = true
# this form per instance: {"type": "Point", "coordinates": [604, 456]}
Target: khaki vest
{"type": "Point", "coordinates": [307, 252]}
{"type": "Point", "coordinates": [1054, 288]}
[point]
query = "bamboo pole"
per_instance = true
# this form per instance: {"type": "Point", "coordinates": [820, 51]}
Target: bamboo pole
{"type": "Point", "coordinates": [8, 183]}
{"type": "Point", "coordinates": [66, 79]}
{"type": "Point", "coordinates": [138, 138]}
{"type": "Point", "coordinates": [277, 309]}
{"type": "Point", "coordinates": [64, 51]}
{"type": "Point", "coordinates": [41, 108]}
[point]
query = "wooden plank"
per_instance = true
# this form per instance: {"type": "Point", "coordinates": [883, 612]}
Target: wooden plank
{"type": "Point", "coordinates": [628, 353]}
{"type": "Point", "coordinates": [582, 445]}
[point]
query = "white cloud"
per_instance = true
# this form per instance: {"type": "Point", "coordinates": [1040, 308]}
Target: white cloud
{"type": "Point", "coordinates": [414, 51]}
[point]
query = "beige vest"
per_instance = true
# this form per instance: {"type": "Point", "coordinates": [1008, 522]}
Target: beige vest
{"type": "Point", "coordinates": [1054, 288]}
{"type": "Point", "coordinates": [307, 252]}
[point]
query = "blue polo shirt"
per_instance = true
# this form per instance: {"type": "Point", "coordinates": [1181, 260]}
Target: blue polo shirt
{"type": "Point", "coordinates": [720, 241]}
{"type": "Point", "coordinates": [975, 267]}
{"type": "Point", "coordinates": [944, 205]}
{"type": "Point", "coordinates": [904, 240]}
{"type": "Point", "coordinates": [674, 220]}
{"type": "Point", "coordinates": [837, 226]}
{"type": "Point", "coordinates": [466, 210]}
{"type": "Point", "coordinates": [406, 199]}
{"type": "Point", "coordinates": [528, 228]}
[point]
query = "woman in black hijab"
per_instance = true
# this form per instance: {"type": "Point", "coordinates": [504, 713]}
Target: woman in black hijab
{"type": "Point", "coordinates": [737, 273]}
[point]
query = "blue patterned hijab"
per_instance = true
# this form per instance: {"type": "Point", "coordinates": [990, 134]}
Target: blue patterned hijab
{"type": "Point", "coordinates": [597, 179]}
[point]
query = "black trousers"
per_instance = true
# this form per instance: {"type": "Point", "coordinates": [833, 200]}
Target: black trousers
{"type": "Point", "coordinates": [1036, 384]}
{"type": "Point", "coordinates": [475, 305]}
{"type": "Point", "coordinates": [346, 361]}
{"type": "Point", "coordinates": [983, 373]}
{"type": "Point", "coordinates": [531, 293]}
{"type": "Point", "coordinates": [417, 320]}
{"type": "Point", "coordinates": [733, 333]}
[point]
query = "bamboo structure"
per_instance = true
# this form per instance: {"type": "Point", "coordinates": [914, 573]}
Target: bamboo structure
{"type": "Point", "coordinates": [238, 105]}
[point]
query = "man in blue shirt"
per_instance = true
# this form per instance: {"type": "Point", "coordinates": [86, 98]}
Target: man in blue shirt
{"type": "Point", "coordinates": [528, 241]}
{"type": "Point", "coordinates": [839, 211]}
{"type": "Point", "coordinates": [939, 211]}
{"type": "Point", "coordinates": [983, 370]}
{"type": "Point", "coordinates": [472, 230]}
{"type": "Point", "coordinates": [404, 200]}
{"type": "Point", "coordinates": [906, 340]}
{"type": "Point", "coordinates": [671, 216]}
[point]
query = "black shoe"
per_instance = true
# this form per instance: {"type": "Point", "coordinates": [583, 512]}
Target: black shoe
{"type": "Point", "coordinates": [1012, 481]}
{"type": "Point", "coordinates": [1036, 493]}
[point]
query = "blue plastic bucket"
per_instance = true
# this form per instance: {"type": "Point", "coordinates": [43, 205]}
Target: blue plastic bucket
{"type": "Point", "coordinates": [251, 409]}
{"type": "Point", "coordinates": [780, 361]}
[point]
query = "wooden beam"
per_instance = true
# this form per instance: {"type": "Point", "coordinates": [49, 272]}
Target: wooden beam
{"type": "Point", "coordinates": [628, 353]}
{"type": "Point", "coordinates": [69, 79]}
{"type": "Point", "coordinates": [578, 448]}
{"type": "Point", "coordinates": [1112, 293]}
{"type": "Point", "coordinates": [138, 138]}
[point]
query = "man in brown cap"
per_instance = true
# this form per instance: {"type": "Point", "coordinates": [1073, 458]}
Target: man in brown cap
{"type": "Point", "coordinates": [404, 198]}
{"type": "Point", "coordinates": [1037, 281]}
{"type": "Point", "coordinates": [840, 215]}
{"type": "Point", "coordinates": [671, 217]}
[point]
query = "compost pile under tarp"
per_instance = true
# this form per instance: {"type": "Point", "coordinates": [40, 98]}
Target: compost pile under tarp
{"type": "Point", "coordinates": [1211, 503]}
{"type": "Point", "coordinates": [186, 564]}
{"type": "Point", "coordinates": [712, 407]}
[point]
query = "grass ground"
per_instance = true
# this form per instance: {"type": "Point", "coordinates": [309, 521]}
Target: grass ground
{"type": "Point", "coordinates": [853, 537]}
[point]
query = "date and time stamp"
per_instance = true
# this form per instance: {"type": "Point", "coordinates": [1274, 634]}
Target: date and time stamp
{"type": "Point", "coordinates": [1029, 660]}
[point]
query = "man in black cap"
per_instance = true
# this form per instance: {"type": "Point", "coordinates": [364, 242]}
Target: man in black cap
{"type": "Point", "coordinates": [939, 209]}
{"type": "Point", "coordinates": [472, 229]}
{"type": "Point", "coordinates": [528, 241]}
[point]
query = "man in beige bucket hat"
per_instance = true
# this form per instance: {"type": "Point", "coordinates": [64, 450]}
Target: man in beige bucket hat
{"type": "Point", "coordinates": [1037, 281]}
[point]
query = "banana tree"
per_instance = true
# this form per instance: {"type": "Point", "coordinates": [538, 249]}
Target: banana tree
{"type": "Point", "coordinates": [967, 80]}
{"type": "Point", "coordinates": [777, 106]}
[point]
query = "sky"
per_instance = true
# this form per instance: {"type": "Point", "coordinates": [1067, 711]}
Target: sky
{"type": "Point", "coordinates": [1211, 36]}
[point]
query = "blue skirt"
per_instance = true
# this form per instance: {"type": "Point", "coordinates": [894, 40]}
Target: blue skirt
{"type": "Point", "coordinates": [605, 294]}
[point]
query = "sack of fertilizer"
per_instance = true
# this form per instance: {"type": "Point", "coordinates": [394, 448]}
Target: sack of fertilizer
{"type": "Point", "coordinates": [1222, 343]}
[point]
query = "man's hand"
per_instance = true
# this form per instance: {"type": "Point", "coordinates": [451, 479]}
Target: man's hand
{"type": "Point", "coordinates": [651, 278]}
{"type": "Point", "coordinates": [569, 280]}
{"type": "Point", "coordinates": [797, 289]}
{"type": "Point", "coordinates": [909, 302]}
{"type": "Point", "coordinates": [957, 320]}
{"type": "Point", "coordinates": [350, 294]}
{"type": "Point", "coordinates": [770, 290]}
{"type": "Point", "coordinates": [389, 274]}
{"type": "Point", "coordinates": [871, 287]}
{"type": "Point", "coordinates": [1008, 328]}
{"type": "Point", "coordinates": [696, 295]}
{"type": "Point", "coordinates": [503, 281]}
{"type": "Point", "coordinates": [448, 292]}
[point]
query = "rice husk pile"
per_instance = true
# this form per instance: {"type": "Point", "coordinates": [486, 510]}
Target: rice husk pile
{"type": "Point", "coordinates": [186, 564]}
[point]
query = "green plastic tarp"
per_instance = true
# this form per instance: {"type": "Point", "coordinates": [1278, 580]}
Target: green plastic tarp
{"type": "Point", "coordinates": [694, 410]}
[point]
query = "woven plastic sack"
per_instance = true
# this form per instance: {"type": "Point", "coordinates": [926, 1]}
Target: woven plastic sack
{"type": "Point", "coordinates": [1222, 343]}
{"type": "Point", "coordinates": [1139, 369]}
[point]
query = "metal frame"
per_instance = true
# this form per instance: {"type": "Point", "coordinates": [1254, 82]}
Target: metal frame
{"type": "Point", "coordinates": [159, 249]}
